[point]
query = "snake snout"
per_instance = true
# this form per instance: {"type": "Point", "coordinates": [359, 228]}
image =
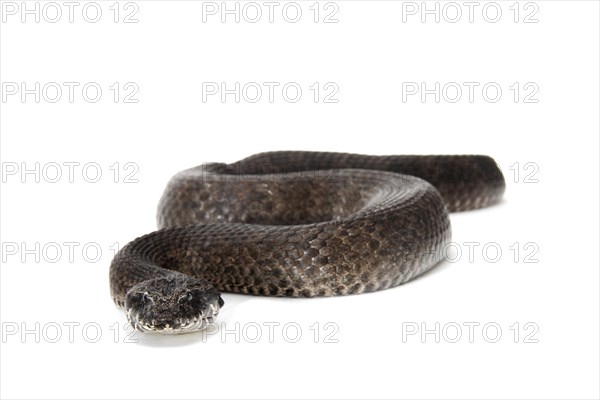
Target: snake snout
{"type": "Point", "coordinates": [172, 305]}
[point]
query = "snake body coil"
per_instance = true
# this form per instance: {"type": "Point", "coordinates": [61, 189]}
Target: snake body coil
{"type": "Point", "coordinates": [298, 224]}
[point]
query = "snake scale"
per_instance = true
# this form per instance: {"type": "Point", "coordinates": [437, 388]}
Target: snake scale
{"type": "Point", "coordinates": [294, 223]}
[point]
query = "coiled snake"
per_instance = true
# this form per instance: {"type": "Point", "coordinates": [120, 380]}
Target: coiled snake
{"type": "Point", "coordinates": [298, 224]}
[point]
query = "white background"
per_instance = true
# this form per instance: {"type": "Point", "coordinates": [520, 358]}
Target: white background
{"type": "Point", "coordinates": [550, 207]}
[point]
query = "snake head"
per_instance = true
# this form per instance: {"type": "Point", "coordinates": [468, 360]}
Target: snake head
{"type": "Point", "coordinates": [172, 304]}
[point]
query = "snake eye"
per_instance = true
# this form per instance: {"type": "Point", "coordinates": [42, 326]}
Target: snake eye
{"type": "Point", "coordinates": [186, 297]}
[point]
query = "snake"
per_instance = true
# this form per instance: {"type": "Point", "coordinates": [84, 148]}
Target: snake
{"type": "Point", "coordinates": [295, 224]}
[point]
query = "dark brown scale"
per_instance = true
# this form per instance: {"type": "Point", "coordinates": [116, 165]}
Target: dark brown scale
{"type": "Point", "coordinates": [306, 224]}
